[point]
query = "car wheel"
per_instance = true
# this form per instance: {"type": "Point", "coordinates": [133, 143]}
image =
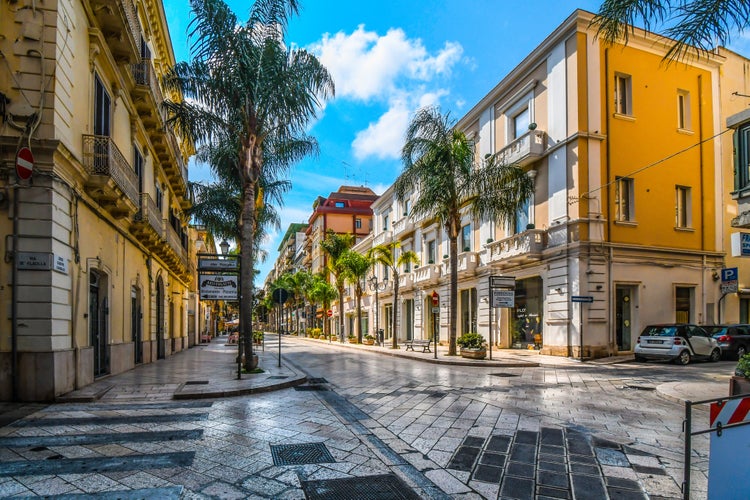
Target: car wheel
{"type": "Point", "coordinates": [715, 355]}
{"type": "Point", "coordinates": [741, 351]}
{"type": "Point", "coordinates": [640, 359]}
{"type": "Point", "coordinates": [683, 358]}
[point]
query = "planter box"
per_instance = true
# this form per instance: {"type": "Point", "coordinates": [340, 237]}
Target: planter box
{"type": "Point", "coordinates": [474, 353]}
{"type": "Point", "coordinates": [353, 341]}
{"type": "Point", "coordinates": [739, 385]}
{"type": "Point", "coordinates": [368, 342]}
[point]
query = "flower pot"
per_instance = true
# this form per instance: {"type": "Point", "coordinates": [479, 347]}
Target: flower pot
{"type": "Point", "coordinates": [368, 341]}
{"type": "Point", "coordinates": [739, 385]}
{"type": "Point", "coordinates": [352, 340]}
{"type": "Point", "coordinates": [334, 338]}
{"type": "Point", "coordinates": [480, 353]}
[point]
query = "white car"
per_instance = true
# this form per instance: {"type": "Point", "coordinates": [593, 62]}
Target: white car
{"type": "Point", "coordinates": [676, 342]}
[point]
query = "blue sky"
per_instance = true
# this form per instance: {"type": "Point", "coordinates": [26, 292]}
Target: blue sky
{"type": "Point", "coordinates": [388, 58]}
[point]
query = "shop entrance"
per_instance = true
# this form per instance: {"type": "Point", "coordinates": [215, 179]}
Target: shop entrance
{"type": "Point", "coordinates": [526, 328]}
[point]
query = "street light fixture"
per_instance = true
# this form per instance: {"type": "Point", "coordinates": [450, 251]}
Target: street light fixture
{"type": "Point", "coordinates": [224, 247]}
{"type": "Point", "coordinates": [377, 286]}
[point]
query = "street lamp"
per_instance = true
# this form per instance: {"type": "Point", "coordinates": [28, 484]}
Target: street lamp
{"type": "Point", "coordinates": [224, 247]}
{"type": "Point", "coordinates": [377, 286]}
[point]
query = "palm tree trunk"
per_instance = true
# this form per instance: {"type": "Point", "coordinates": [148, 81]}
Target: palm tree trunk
{"type": "Point", "coordinates": [246, 272]}
{"type": "Point", "coordinates": [359, 317]}
{"type": "Point", "coordinates": [395, 310]}
{"type": "Point", "coordinates": [341, 314]}
{"type": "Point", "coordinates": [453, 313]}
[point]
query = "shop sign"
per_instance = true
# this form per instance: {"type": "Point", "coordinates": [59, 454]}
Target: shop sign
{"type": "Point", "coordinates": [218, 287]}
{"type": "Point", "coordinates": [502, 298]}
{"type": "Point", "coordinates": [217, 264]}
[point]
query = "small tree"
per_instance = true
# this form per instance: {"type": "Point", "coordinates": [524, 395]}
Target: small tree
{"type": "Point", "coordinates": [355, 267]}
{"type": "Point", "coordinates": [323, 293]}
{"type": "Point", "coordinates": [388, 255]}
{"type": "Point", "coordinates": [334, 245]}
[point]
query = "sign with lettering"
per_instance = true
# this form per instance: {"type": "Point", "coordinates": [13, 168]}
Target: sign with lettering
{"type": "Point", "coordinates": [218, 287]}
{"type": "Point", "coordinates": [740, 244]}
{"type": "Point", "coordinates": [60, 264]}
{"type": "Point", "coordinates": [34, 261]}
{"type": "Point", "coordinates": [217, 264]}
{"type": "Point", "coordinates": [503, 298]}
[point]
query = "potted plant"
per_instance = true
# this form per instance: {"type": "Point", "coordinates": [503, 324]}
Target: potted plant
{"type": "Point", "coordinates": [740, 383]}
{"type": "Point", "coordinates": [368, 340]}
{"type": "Point", "coordinates": [472, 346]}
{"type": "Point", "coordinates": [352, 339]}
{"type": "Point", "coordinates": [257, 337]}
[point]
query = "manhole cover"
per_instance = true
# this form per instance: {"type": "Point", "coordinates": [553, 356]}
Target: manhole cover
{"type": "Point", "coordinates": [298, 454]}
{"type": "Point", "coordinates": [310, 388]}
{"type": "Point", "coordinates": [384, 487]}
{"type": "Point", "coordinates": [317, 380]}
{"type": "Point", "coordinates": [196, 382]}
{"type": "Point", "coordinates": [503, 374]}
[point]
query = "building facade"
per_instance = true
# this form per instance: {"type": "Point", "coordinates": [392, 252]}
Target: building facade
{"type": "Point", "coordinates": [96, 277]}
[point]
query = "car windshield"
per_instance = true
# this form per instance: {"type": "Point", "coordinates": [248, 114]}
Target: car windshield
{"type": "Point", "coordinates": [660, 331]}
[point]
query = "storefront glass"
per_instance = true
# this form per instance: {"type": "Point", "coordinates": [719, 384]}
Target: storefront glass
{"type": "Point", "coordinates": [527, 321]}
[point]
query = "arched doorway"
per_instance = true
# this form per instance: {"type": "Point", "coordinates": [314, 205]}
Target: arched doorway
{"type": "Point", "coordinates": [160, 351]}
{"type": "Point", "coordinates": [98, 312]}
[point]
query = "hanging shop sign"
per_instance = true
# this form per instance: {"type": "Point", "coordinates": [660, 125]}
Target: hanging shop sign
{"type": "Point", "coordinates": [216, 264]}
{"type": "Point", "coordinates": [218, 286]}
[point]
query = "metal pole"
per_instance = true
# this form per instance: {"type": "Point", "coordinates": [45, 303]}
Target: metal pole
{"type": "Point", "coordinates": [435, 331]}
{"type": "Point", "coordinates": [14, 302]}
{"type": "Point", "coordinates": [687, 429]}
{"type": "Point", "coordinates": [240, 333]}
{"type": "Point", "coordinates": [491, 324]}
{"type": "Point", "coordinates": [377, 318]}
{"type": "Point", "coordinates": [278, 329]}
{"type": "Point", "coordinates": [580, 328]}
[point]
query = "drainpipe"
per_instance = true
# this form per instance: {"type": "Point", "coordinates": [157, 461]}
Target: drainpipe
{"type": "Point", "coordinates": [609, 215]}
{"type": "Point", "coordinates": [14, 300]}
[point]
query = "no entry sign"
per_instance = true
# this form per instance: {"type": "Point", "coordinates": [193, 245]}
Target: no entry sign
{"type": "Point", "coordinates": [24, 164]}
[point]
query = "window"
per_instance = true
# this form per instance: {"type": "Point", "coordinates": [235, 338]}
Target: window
{"type": "Point", "coordinates": [385, 272]}
{"type": "Point", "coordinates": [742, 157]}
{"type": "Point", "coordinates": [683, 110]}
{"type": "Point", "coordinates": [624, 199]}
{"type": "Point", "coordinates": [521, 122]}
{"type": "Point", "coordinates": [159, 197]}
{"type": "Point", "coordinates": [339, 204]}
{"type": "Point", "coordinates": [683, 303]}
{"type": "Point", "coordinates": [385, 222]}
{"type": "Point", "coordinates": [358, 223]}
{"type": "Point", "coordinates": [431, 252]}
{"type": "Point", "coordinates": [682, 206]}
{"type": "Point", "coordinates": [623, 93]}
{"type": "Point", "coordinates": [407, 206]}
{"type": "Point", "coordinates": [468, 304]}
{"type": "Point", "coordinates": [466, 238]}
{"type": "Point", "coordinates": [102, 107]}
{"type": "Point", "coordinates": [522, 218]}
{"type": "Point", "coordinates": [138, 167]}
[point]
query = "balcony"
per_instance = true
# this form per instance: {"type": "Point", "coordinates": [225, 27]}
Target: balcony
{"type": "Point", "coordinates": [467, 264]}
{"type": "Point", "coordinates": [119, 25]}
{"type": "Point", "coordinates": [519, 248]}
{"type": "Point", "coordinates": [173, 240]}
{"type": "Point", "coordinates": [111, 181]}
{"type": "Point", "coordinates": [403, 227]}
{"type": "Point", "coordinates": [384, 237]}
{"type": "Point", "coordinates": [427, 275]}
{"type": "Point", "coordinates": [147, 223]}
{"type": "Point", "coordinates": [174, 167]}
{"type": "Point", "coordinates": [525, 150]}
{"type": "Point", "coordinates": [406, 281]}
{"type": "Point", "coordinates": [147, 94]}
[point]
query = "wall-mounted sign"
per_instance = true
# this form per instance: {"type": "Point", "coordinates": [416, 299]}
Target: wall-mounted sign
{"type": "Point", "coordinates": [34, 261]}
{"type": "Point", "coordinates": [61, 264]}
{"type": "Point", "coordinates": [502, 282]}
{"type": "Point", "coordinates": [740, 244]}
{"type": "Point", "coordinates": [216, 264]}
{"type": "Point", "coordinates": [502, 298]}
{"type": "Point", "coordinates": [218, 286]}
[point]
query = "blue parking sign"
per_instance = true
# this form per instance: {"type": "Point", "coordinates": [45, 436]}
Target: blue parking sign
{"type": "Point", "coordinates": [729, 274]}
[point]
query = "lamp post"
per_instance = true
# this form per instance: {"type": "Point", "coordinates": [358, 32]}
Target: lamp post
{"type": "Point", "coordinates": [377, 286]}
{"type": "Point", "coordinates": [224, 245]}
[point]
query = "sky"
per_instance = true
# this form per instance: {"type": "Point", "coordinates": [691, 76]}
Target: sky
{"type": "Point", "coordinates": [388, 58]}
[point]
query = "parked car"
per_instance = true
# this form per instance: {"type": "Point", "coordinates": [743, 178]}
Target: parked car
{"type": "Point", "coordinates": [676, 342]}
{"type": "Point", "coordinates": [734, 340]}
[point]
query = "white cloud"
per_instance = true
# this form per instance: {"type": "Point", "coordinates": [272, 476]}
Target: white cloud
{"type": "Point", "coordinates": [384, 138]}
{"type": "Point", "coordinates": [368, 66]}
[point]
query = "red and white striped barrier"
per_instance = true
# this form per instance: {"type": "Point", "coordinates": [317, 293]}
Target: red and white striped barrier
{"type": "Point", "coordinates": [730, 412]}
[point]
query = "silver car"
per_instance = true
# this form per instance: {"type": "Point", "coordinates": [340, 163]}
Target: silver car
{"type": "Point", "coordinates": [676, 342]}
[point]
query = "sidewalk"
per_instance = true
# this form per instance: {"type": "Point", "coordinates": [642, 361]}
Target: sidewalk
{"type": "Point", "coordinates": [209, 371]}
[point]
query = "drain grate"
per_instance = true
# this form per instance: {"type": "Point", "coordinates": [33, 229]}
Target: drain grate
{"type": "Point", "coordinates": [383, 487]}
{"type": "Point", "coordinates": [503, 374]}
{"type": "Point", "coordinates": [310, 388]}
{"type": "Point", "coordinates": [299, 454]}
{"type": "Point", "coordinates": [436, 394]}
{"type": "Point", "coordinates": [317, 380]}
{"type": "Point", "coordinates": [196, 382]}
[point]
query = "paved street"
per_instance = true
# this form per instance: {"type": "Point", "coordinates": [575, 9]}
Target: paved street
{"type": "Point", "coordinates": [364, 425]}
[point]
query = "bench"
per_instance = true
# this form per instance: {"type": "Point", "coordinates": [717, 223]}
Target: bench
{"type": "Point", "coordinates": [232, 339]}
{"type": "Point", "coordinates": [205, 338]}
{"type": "Point", "coordinates": [424, 344]}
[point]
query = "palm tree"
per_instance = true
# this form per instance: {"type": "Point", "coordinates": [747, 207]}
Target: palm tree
{"type": "Point", "coordinates": [334, 245]}
{"type": "Point", "coordinates": [298, 282]}
{"type": "Point", "coordinates": [439, 163]}
{"type": "Point", "coordinates": [244, 82]}
{"type": "Point", "coordinates": [355, 267]}
{"type": "Point", "coordinates": [386, 254]}
{"type": "Point", "coordinates": [322, 292]}
{"type": "Point", "coordinates": [700, 24]}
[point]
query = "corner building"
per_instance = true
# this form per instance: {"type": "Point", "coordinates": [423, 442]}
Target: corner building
{"type": "Point", "coordinates": [627, 206]}
{"type": "Point", "coordinates": [103, 214]}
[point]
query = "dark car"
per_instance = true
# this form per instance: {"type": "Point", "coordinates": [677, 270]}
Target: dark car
{"type": "Point", "coordinates": [734, 340]}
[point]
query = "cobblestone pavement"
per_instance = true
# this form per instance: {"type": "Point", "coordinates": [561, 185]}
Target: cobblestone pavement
{"type": "Point", "coordinates": [369, 426]}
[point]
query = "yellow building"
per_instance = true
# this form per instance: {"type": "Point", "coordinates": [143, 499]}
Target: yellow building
{"type": "Point", "coordinates": [96, 273]}
{"type": "Point", "coordinates": [627, 211]}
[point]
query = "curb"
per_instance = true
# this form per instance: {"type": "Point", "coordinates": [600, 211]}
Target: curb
{"type": "Point", "coordinates": [181, 394]}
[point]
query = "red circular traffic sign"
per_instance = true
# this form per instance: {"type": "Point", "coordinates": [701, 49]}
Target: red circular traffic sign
{"type": "Point", "coordinates": [24, 163]}
{"type": "Point", "coordinates": [435, 299]}
{"type": "Point", "coordinates": [329, 313]}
